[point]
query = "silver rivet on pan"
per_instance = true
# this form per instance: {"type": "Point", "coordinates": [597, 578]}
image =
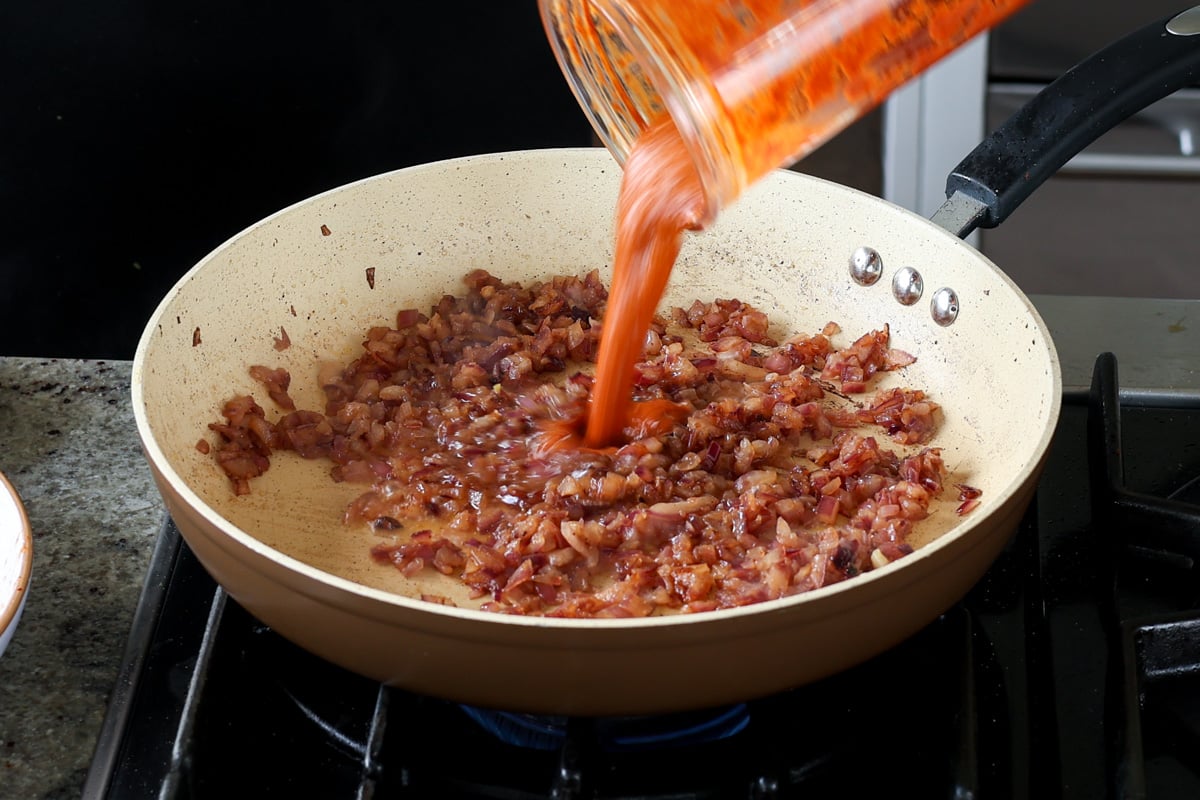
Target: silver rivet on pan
{"type": "Point", "coordinates": [865, 266]}
{"type": "Point", "coordinates": [944, 306]}
{"type": "Point", "coordinates": [908, 285]}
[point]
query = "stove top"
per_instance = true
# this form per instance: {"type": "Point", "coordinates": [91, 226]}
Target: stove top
{"type": "Point", "coordinates": [1072, 670]}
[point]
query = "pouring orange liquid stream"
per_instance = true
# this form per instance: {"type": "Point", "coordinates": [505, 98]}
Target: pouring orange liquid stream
{"type": "Point", "coordinates": [830, 66]}
{"type": "Point", "coordinates": [660, 198]}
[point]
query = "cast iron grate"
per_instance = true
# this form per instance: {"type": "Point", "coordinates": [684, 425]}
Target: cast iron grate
{"type": "Point", "coordinates": [1153, 706]}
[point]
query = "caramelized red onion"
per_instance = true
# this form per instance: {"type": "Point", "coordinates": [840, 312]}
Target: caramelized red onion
{"type": "Point", "coordinates": [766, 483]}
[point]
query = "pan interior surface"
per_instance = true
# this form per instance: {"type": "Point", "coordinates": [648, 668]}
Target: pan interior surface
{"type": "Point", "coordinates": [322, 272]}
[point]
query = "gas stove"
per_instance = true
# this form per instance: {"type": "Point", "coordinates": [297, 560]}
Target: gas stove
{"type": "Point", "coordinates": [1072, 670]}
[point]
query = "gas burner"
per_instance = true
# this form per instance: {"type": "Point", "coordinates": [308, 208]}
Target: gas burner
{"type": "Point", "coordinates": [615, 734]}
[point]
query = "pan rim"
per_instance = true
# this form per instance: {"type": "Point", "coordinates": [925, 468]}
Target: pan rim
{"type": "Point", "coordinates": [583, 156]}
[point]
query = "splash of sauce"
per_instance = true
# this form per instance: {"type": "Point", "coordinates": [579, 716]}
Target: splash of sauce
{"type": "Point", "coordinates": [648, 419]}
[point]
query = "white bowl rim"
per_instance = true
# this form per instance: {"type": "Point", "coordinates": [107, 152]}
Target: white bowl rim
{"type": "Point", "coordinates": [11, 608]}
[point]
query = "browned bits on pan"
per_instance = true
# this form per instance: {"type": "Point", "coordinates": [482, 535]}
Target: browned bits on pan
{"type": "Point", "coordinates": [282, 341]}
{"type": "Point", "coordinates": [276, 381]}
{"type": "Point", "coordinates": [371, 277]}
{"type": "Point", "coordinates": [203, 447]}
{"type": "Point", "coordinates": [969, 496]}
{"type": "Point", "coordinates": [325, 230]}
{"type": "Point", "coordinates": [195, 337]}
{"type": "Point", "coordinates": [292, 309]}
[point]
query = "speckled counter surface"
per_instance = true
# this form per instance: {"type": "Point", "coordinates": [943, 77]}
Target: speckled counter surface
{"type": "Point", "coordinates": [69, 446]}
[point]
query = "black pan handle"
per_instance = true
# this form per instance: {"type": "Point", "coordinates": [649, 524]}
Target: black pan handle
{"type": "Point", "coordinates": [1067, 116]}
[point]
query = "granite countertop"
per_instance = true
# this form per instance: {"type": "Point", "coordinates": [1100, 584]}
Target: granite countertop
{"type": "Point", "coordinates": [69, 445]}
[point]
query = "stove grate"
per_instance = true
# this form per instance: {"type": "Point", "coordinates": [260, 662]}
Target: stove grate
{"type": "Point", "coordinates": [1153, 703]}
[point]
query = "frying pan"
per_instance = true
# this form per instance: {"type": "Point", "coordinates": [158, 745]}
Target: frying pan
{"type": "Point", "coordinates": [282, 552]}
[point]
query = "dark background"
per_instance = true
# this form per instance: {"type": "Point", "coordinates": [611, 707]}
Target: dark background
{"type": "Point", "coordinates": [137, 136]}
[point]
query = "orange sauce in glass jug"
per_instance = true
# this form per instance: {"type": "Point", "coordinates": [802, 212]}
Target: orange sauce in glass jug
{"type": "Point", "coordinates": [699, 98]}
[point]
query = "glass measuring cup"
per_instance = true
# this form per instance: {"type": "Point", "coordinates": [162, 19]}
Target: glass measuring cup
{"type": "Point", "coordinates": [751, 85]}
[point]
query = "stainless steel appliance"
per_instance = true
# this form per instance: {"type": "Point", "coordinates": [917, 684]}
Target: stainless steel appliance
{"type": "Point", "coordinates": [1117, 220]}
